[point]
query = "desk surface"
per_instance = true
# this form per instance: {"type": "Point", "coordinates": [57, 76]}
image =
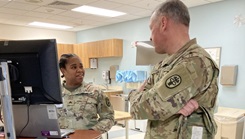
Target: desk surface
{"type": "Point", "coordinates": [121, 115]}
{"type": "Point", "coordinates": [85, 134]}
{"type": "Point", "coordinates": [79, 134]}
{"type": "Point", "coordinates": [91, 134]}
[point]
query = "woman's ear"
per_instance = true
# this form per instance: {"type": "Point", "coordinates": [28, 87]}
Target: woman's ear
{"type": "Point", "coordinates": [62, 70]}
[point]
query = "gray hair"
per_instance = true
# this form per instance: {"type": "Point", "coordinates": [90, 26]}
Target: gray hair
{"type": "Point", "coordinates": [174, 9]}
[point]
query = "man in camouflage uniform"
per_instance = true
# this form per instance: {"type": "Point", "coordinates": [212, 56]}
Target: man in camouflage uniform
{"type": "Point", "coordinates": [84, 105]}
{"type": "Point", "coordinates": [187, 73]}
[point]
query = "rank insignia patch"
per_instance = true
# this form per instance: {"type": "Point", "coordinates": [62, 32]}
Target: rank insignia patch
{"type": "Point", "coordinates": [173, 81]}
{"type": "Point", "coordinates": [107, 101]}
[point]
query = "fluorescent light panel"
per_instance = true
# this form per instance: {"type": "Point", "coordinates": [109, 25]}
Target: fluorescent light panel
{"type": "Point", "coordinates": [49, 25]}
{"type": "Point", "coordinates": [97, 11]}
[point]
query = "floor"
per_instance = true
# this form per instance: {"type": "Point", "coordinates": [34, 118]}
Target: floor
{"type": "Point", "coordinates": [118, 132]}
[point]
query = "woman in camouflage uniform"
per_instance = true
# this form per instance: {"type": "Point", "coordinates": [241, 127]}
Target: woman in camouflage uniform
{"type": "Point", "coordinates": [84, 106]}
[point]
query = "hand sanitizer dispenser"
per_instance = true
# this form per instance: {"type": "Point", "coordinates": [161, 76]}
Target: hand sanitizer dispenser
{"type": "Point", "coordinates": [106, 76]}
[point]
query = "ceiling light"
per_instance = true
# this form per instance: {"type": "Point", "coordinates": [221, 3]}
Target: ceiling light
{"type": "Point", "coordinates": [48, 25]}
{"type": "Point", "coordinates": [98, 11]}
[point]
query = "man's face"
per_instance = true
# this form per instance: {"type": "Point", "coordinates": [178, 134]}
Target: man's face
{"type": "Point", "coordinates": [156, 34]}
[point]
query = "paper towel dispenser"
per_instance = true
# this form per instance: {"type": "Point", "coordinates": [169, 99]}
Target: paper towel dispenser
{"type": "Point", "coordinates": [145, 53]}
{"type": "Point", "coordinates": [228, 75]}
{"type": "Point", "coordinates": [93, 63]}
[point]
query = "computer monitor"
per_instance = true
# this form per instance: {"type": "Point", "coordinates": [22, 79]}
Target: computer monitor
{"type": "Point", "coordinates": [33, 69]}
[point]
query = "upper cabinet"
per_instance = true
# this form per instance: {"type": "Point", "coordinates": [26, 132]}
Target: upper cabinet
{"type": "Point", "coordinates": [105, 48]}
{"type": "Point", "coordinates": [96, 49]}
{"type": "Point", "coordinates": [82, 51]}
{"type": "Point", "coordinates": [64, 49]}
{"type": "Point", "coordinates": [111, 48]}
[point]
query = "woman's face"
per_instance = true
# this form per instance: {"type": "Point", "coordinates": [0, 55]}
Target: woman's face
{"type": "Point", "coordinates": [74, 72]}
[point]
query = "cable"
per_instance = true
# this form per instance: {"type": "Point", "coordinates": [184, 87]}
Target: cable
{"type": "Point", "coordinates": [1, 116]}
{"type": "Point", "coordinates": [27, 122]}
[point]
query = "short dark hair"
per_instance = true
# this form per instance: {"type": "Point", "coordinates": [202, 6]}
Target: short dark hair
{"type": "Point", "coordinates": [174, 9]}
{"type": "Point", "coordinates": [64, 58]}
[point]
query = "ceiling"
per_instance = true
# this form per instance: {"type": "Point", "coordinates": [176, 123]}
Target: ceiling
{"type": "Point", "coordinates": [22, 12]}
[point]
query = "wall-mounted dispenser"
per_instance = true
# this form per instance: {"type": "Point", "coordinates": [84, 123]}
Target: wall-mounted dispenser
{"type": "Point", "coordinates": [113, 70]}
{"type": "Point", "coordinates": [106, 76]}
{"type": "Point", "coordinates": [228, 75]}
{"type": "Point", "coordinates": [93, 63]}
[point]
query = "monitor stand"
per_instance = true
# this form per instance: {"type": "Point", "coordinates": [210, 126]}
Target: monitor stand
{"type": "Point", "coordinates": [6, 101]}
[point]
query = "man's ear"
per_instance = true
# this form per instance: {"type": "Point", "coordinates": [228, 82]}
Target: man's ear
{"type": "Point", "coordinates": [164, 21]}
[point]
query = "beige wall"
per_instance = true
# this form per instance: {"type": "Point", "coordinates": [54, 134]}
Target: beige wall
{"type": "Point", "coordinates": [12, 32]}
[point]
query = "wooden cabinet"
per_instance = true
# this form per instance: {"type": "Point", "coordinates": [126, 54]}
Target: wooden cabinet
{"type": "Point", "coordinates": [92, 47]}
{"type": "Point", "coordinates": [111, 48]}
{"type": "Point", "coordinates": [82, 51]}
{"type": "Point", "coordinates": [64, 49]}
{"type": "Point", "coordinates": [97, 49]}
{"type": "Point", "coordinates": [105, 48]}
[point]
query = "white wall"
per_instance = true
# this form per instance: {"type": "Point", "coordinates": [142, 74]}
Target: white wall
{"type": "Point", "coordinates": [12, 32]}
{"type": "Point", "coordinates": [213, 26]}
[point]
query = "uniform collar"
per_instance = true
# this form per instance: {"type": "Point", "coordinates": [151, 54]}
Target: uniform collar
{"type": "Point", "coordinates": [173, 57]}
{"type": "Point", "coordinates": [76, 90]}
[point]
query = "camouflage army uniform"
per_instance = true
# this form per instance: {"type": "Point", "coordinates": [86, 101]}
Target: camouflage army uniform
{"type": "Point", "coordinates": [188, 74]}
{"type": "Point", "coordinates": [86, 108]}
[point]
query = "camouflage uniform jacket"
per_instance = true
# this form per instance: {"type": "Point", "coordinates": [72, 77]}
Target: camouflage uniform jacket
{"type": "Point", "coordinates": [188, 74]}
{"type": "Point", "coordinates": [86, 108]}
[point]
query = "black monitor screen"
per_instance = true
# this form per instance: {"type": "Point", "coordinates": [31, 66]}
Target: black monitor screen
{"type": "Point", "coordinates": [33, 70]}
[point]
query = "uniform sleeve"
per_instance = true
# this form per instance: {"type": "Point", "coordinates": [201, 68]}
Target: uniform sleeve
{"type": "Point", "coordinates": [106, 114]}
{"type": "Point", "coordinates": [170, 93]}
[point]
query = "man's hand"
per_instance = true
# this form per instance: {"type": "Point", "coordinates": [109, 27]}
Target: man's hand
{"type": "Point", "coordinates": [189, 107]}
{"type": "Point", "coordinates": [142, 86]}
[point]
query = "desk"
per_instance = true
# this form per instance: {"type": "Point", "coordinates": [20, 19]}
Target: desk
{"type": "Point", "coordinates": [85, 134]}
{"type": "Point", "coordinates": [79, 134]}
{"type": "Point", "coordinates": [121, 115]}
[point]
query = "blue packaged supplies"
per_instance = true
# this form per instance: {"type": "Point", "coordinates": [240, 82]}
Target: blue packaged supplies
{"type": "Point", "coordinates": [129, 76]}
{"type": "Point", "coordinates": [119, 76]}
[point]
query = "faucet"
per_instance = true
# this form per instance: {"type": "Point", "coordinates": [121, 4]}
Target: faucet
{"type": "Point", "coordinates": [105, 85]}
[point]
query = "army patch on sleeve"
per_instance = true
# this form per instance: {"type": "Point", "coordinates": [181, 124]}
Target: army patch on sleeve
{"type": "Point", "coordinates": [173, 81]}
{"type": "Point", "coordinates": [107, 101]}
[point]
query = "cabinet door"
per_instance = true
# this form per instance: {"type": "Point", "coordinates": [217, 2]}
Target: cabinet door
{"type": "Point", "coordinates": [112, 48]}
{"type": "Point", "coordinates": [92, 49]}
{"type": "Point", "coordinates": [81, 50]}
{"type": "Point", "coordinates": [64, 49]}
{"type": "Point", "coordinates": [105, 48]}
